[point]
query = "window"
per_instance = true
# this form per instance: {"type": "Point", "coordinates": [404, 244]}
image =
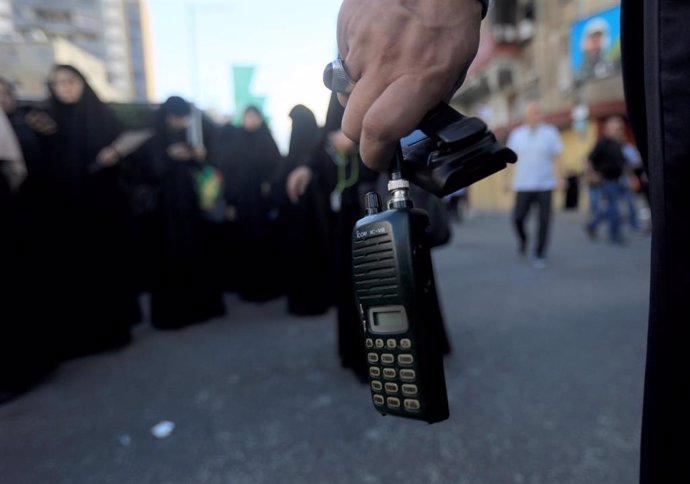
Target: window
{"type": "Point", "coordinates": [51, 15]}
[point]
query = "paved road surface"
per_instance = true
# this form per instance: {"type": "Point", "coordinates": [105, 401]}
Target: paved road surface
{"type": "Point", "coordinates": [545, 387]}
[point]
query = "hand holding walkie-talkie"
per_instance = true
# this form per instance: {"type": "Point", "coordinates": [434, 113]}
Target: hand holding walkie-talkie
{"type": "Point", "coordinates": [393, 271]}
{"type": "Point", "coordinates": [391, 260]}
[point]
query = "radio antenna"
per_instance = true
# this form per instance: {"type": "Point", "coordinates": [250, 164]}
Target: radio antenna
{"type": "Point", "coordinates": [396, 165]}
{"type": "Point", "coordinates": [398, 187]}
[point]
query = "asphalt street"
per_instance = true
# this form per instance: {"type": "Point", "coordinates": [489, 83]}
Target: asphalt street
{"type": "Point", "coordinates": [545, 386]}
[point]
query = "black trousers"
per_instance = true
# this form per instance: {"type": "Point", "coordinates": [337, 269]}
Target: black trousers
{"type": "Point", "coordinates": [656, 69]}
{"type": "Point", "coordinates": [523, 204]}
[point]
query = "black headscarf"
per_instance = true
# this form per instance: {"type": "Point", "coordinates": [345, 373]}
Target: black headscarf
{"type": "Point", "coordinates": [84, 129]}
{"type": "Point", "coordinates": [89, 121]}
{"type": "Point", "coordinates": [173, 106]}
{"type": "Point", "coordinates": [305, 135]}
{"type": "Point", "coordinates": [259, 153]}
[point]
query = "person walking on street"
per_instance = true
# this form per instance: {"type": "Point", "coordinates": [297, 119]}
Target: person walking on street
{"type": "Point", "coordinates": [607, 160]}
{"type": "Point", "coordinates": [538, 146]}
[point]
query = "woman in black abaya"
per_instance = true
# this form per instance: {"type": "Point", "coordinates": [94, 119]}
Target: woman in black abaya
{"type": "Point", "coordinates": [183, 283]}
{"type": "Point", "coordinates": [255, 203]}
{"type": "Point", "coordinates": [226, 159]}
{"type": "Point", "coordinates": [91, 289]}
{"type": "Point", "coordinates": [27, 331]}
{"type": "Point", "coordinates": [304, 222]}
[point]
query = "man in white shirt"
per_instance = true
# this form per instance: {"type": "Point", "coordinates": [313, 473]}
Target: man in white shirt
{"type": "Point", "coordinates": [537, 174]}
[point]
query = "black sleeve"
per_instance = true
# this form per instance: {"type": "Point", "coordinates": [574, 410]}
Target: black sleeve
{"type": "Point", "coordinates": [595, 155]}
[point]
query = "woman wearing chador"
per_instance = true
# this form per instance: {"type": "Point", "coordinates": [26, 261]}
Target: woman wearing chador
{"type": "Point", "coordinates": [254, 198]}
{"type": "Point", "coordinates": [89, 239]}
{"type": "Point", "coordinates": [182, 274]}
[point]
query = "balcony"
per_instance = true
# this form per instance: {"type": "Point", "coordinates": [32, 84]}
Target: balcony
{"type": "Point", "coordinates": [512, 21]}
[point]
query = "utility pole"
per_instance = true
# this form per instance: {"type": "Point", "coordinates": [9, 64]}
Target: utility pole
{"type": "Point", "coordinates": [580, 111]}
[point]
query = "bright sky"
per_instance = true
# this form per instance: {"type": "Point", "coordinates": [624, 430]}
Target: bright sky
{"type": "Point", "coordinates": [289, 42]}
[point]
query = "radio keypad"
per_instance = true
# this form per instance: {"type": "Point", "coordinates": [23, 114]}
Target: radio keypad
{"type": "Point", "coordinates": [393, 353]}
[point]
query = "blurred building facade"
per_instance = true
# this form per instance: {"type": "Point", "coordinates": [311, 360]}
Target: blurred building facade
{"type": "Point", "coordinates": [26, 65]}
{"type": "Point", "coordinates": [6, 21]}
{"type": "Point", "coordinates": [114, 31]}
{"type": "Point", "coordinates": [566, 54]}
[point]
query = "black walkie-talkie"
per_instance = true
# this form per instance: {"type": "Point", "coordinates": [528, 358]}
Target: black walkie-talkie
{"type": "Point", "coordinates": [396, 294]}
{"type": "Point", "coordinates": [393, 271]}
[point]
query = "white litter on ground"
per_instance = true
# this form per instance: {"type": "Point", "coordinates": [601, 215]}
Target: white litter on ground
{"type": "Point", "coordinates": [162, 430]}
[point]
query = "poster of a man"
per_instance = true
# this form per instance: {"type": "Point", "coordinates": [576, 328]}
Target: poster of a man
{"type": "Point", "coordinates": [595, 43]}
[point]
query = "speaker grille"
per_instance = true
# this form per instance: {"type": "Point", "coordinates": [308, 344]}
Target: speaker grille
{"type": "Point", "coordinates": [374, 268]}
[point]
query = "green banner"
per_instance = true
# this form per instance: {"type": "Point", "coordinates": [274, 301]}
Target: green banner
{"type": "Point", "coordinates": [243, 76]}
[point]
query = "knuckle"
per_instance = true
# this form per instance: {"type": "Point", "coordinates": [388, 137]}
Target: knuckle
{"type": "Point", "coordinates": [376, 128]}
{"type": "Point", "coordinates": [351, 130]}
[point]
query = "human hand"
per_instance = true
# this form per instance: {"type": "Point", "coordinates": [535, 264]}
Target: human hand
{"type": "Point", "coordinates": [199, 152]}
{"type": "Point", "coordinates": [40, 122]}
{"type": "Point", "coordinates": [297, 183]}
{"type": "Point", "coordinates": [406, 56]}
{"type": "Point", "coordinates": [15, 173]}
{"type": "Point", "coordinates": [560, 184]}
{"type": "Point", "coordinates": [108, 156]}
{"type": "Point", "coordinates": [180, 152]}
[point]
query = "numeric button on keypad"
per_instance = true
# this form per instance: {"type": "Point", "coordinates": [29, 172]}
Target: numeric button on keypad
{"type": "Point", "coordinates": [373, 358]}
{"type": "Point", "coordinates": [379, 343]}
{"type": "Point", "coordinates": [410, 390]}
{"type": "Point", "coordinates": [391, 388]}
{"type": "Point", "coordinates": [406, 360]}
{"type": "Point", "coordinates": [391, 344]}
{"type": "Point", "coordinates": [412, 405]}
{"type": "Point", "coordinates": [387, 359]}
{"type": "Point", "coordinates": [389, 373]}
{"type": "Point", "coordinates": [369, 343]}
{"type": "Point", "coordinates": [393, 402]}
{"type": "Point", "coordinates": [379, 400]}
{"type": "Point", "coordinates": [406, 343]}
{"type": "Point", "coordinates": [376, 385]}
{"type": "Point", "coordinates": [375, 372]}
{"type": "Point", "coordinates": [407, 375]}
